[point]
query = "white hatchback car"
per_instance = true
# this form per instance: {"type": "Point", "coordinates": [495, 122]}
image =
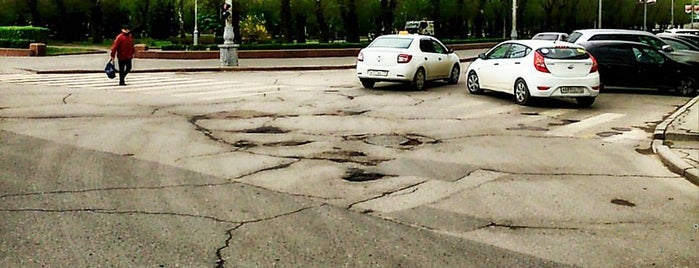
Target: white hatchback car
{"type": "Point", "coordinates": [407, 58]}
{"type": "Point", "coordinates": [536, 68]}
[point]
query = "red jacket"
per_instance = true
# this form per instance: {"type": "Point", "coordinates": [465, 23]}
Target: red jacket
{"type": "Point", "coordinates": [123, 47]}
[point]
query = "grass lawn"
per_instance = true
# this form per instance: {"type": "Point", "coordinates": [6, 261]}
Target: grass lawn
{"type": "Point", "coordinates": [61, 50]}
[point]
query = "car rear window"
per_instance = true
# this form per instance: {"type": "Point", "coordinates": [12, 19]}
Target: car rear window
{"type": "Point", "coordinates": [392, 42]}
{"type": "Point", "coordinates": [564, 53]}
{"type": "Point", "coordinates": [573, 37]}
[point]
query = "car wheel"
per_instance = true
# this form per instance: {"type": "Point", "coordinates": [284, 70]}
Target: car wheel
{"type": "Point", "coordinates": [367, 83]}
{"type": "Point", "coordinates": [688, 87]}
{"type": "Point", "coordinates": [455, 74]}
{"type": "Point", "coordinates": [472, 83]}
{"type": "Point", "coordinates": [419, 79]}
{"type": "Point", "coordinates": [585, 101]}
{"type": "Point", "coordinates": [522, 96]}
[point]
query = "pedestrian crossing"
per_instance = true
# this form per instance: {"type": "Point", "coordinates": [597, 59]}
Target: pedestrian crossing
{"type": "Point", "coordinates": [169, 84]}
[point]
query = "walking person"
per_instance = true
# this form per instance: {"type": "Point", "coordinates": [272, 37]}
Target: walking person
{"type": "Point", "coordinates": [124, 50]}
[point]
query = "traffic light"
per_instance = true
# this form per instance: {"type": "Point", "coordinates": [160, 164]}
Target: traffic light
{"type": "Point", "coordinates": [225, 11]}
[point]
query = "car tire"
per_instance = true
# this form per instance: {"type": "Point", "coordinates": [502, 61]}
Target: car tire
{"type": "Point", "coordinates": [585, 101]}
{"type": "Point", "coordinates": [688, 87]}
{"type": "Point", "coordinates": [418, 82]}
{"type": "Point", "coordinates": [367, 83]}
{"type": "Point", "coordinates": [473, 84]}
{"type": "Point", "coordinates": [521, 92]}
{"type": "Point", "coordinates": [455, 74]}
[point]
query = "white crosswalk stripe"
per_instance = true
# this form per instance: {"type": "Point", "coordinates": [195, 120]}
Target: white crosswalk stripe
{"type": "Point", "coordinates": [151, 84]}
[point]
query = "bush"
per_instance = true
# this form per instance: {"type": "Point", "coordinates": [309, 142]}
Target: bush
{"type": "Point", "coordinates": [31, 33]}
{"type": "Point", "coordinates": [15, 43]}
{"type": "Point", "coordinates": [173, 47]}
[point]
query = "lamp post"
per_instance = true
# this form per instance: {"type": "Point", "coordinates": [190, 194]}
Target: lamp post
{"type": "Point", "coordinates": [672, 13]}
{"type": "Point", "coordinates": [599, 15]}
{"type": "Point", "coordinates": [196, 31]}
{"type": "Point", "coordinates": [513, 34]}
{"type": "Point", "coordinates": [645, 13]}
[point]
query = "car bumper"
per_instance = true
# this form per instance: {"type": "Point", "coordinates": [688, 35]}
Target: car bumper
{"type": "Point", "coordinates": [399, 73]}
{"type": "Point", "coordinates": [547, 86]}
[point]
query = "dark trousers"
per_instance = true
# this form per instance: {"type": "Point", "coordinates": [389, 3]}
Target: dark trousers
{"type": "Point", "coordinates": [124, 69]}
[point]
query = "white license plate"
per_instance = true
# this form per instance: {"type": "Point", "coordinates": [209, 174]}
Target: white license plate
{"type": "Point", "coordinates": [378, 73]}
{"type": "Point", "coordinates": [572, 90]}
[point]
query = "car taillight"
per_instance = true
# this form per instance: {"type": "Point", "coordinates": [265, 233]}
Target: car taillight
{"type": "Point", "coordinates": [360, 57]}
{"type": "Point", "coordinates": [539, 63]}
{"type": "Point", "coordinates": [404, 58]}
{"type": "Point", "coordinates": [594, 64]}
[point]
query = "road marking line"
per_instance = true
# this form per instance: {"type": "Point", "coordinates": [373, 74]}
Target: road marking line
{"type": "Point", "coordinates": [573, 128]}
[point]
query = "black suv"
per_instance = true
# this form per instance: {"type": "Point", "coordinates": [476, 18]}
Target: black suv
{"type": "Point", "coordinates": [637, 65]}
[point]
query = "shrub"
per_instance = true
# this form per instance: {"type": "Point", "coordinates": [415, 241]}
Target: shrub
{"type": "Point", "coordinates": [31, 33]}
{"type": "Point", "coordinates": [15, 43]}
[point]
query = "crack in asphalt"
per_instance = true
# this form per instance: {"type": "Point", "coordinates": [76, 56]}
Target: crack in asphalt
{"type": "Point", "coordinates": [221, 261]}
{"type": "Point", "coordinates": [66, 97]}
{"type": "Point", "coordinates": [517, 227]}
{"type": "Point", "coordinates": [384, 194]}
{"type": "Point", "coordinates": [581, 174]}
{"type": "Point", "coordinates": [118, 212]}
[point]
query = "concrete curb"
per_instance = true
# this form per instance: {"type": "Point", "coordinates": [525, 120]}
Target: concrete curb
{"type": "Point", "coordinates": [219, 69]}
{"type": "Point", "coordinates": [674, 162]}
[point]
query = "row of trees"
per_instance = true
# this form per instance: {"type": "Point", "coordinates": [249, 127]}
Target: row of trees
{"type": "Point", "coordinates": [328, 20]}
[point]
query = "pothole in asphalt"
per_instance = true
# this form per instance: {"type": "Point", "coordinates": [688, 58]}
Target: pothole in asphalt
{"type": "Point", "coordinates": [525, 127]}
{"type": "Point", "coordinates": [606, 134]}
{"type": "Point", "coordinates": [399, 141]}
{"type": "Point", "coordinates": [530, 113]}
{"type": "Point", "coordinates": [266, 130]}
{"type": "Point", "coordinates": [622, 202]}
{"type": "Point", "coordinates": [359, 175]}
{"type": "Point", "coordinates": [624, 129]}
{"type": "Point", "coordinates": [645, 151]}
{"type": "Point", "coordinates": [244, 144]}
{"type": "Point", "coordinates": [564, 122]}
{"type": "Point", "coordinates": [286, 143]}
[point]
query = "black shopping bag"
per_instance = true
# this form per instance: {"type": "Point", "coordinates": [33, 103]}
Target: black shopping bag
{"type": "Point", "coordinates": [110, 70]}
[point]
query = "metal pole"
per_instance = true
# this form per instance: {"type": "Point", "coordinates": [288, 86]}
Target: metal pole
{"type": "Point", "coordinates": [599, 15]}
{"type": "Point", "coordinates": [196, 31]}
{"type": "Point", "coordinates": [672, 14]}
{"type": "Point", "coordinates": [513, 35]}
{"type": "Point", "coordinates": [645, 13]}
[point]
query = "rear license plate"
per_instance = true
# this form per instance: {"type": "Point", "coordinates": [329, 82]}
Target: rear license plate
{"type": "Point", "coordinates": [378, 73]}
{"type": "Point", "coordinates": [572, 90]}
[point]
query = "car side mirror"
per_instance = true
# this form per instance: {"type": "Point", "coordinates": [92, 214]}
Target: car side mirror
{"type": "Point", "coordinates": [482, 56]}
{"type": "Point", "coordinates": [450, 50]}
{"type": "Point", "coordinates": [667, 48]}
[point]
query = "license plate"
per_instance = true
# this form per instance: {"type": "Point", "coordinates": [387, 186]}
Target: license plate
{"type": "Point", "coordinates": [378, 73]}
{"type": "Point", "coordinates": [573, 90]}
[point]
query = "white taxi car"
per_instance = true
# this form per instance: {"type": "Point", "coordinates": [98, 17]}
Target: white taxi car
{"type": "Point", "coordinates": [536, 68]}
{"type": "Point", "coordinates": [407, 58]}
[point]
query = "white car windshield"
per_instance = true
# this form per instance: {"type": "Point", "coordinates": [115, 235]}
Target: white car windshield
{"type": "Point", "coordinates": [392, 42]}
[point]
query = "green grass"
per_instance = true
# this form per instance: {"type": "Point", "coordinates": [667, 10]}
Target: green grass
{"type": "Point", "coordinates": [56, 50]}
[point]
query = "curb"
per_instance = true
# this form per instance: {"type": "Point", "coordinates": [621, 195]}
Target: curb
{"type": "Point", "coordinates": [674, 162]}
{"type": "Point", "coordinates": [219, 69]}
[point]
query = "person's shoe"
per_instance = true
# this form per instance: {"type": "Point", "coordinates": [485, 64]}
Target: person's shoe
{"type": "Point", "coordinates": [122, 83]}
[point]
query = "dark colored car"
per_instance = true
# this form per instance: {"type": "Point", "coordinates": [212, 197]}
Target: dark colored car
{"type": "Point", "coordinates": [637, 65]}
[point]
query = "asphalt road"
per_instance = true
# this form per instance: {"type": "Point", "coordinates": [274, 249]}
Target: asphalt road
{"type": "Point", "coordinates": [309, 169]}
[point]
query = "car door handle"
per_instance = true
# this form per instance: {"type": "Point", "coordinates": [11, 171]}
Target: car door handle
{"type": "Point", "coordinates": [517, 62]}
{"type": "Point", "coordinates": [496, 63]}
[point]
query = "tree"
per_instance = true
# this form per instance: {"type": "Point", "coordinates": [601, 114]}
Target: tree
{"type": "Point", "coordinates": [322, 24]}
{"type": "Point", "coordinates": [287, 27]}
{"type": "Point", "coordinates": [348, 11]}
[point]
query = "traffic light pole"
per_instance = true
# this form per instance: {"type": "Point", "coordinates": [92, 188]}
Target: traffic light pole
{"type": "Point", "coordinates": [229, 50]}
